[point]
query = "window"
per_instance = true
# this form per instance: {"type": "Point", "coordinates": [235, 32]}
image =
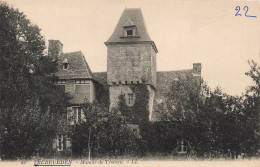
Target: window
{"type": "Point", "coordinates": [82, 86]}
{"type": "Point", "coordinates": [60, 82]}
{"type": "Point", "coordinates": [182, 148]}
{"type": "Point", "coordinates": [129, 32]}
{"type": "Point", "coordinates": [65, 66]}
{"type": "Point", "coordinates": [82, 81]}
{"type": "Point", "coordinates": [77, 112]}
{"type": "Point", "coordinates": [61, 142]}
{"type": "Point", "coordinates": [130, 98]}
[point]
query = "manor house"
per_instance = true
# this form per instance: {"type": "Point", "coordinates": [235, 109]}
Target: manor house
{"type": "Point", "coordinates": [131, 60]}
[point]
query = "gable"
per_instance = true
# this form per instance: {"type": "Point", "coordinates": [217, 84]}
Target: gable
{"type": "Point", "coordinates": [78, 67]}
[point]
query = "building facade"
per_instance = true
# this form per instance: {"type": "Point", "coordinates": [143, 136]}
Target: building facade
{"type": "Point", "coordinates": [131, 61]}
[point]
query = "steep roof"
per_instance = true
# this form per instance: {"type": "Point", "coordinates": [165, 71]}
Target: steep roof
{"type": "Point", "coordinates": [130, 17]}
{"type": "Point", "coordinates": [166, 78]}
{"type": "Point", "coordinates": [100, 77]}
{"type": "Point", "coordinates": [78, 67]}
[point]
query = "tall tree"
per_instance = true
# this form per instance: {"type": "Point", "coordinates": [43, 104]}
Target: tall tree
{"type": "Point", "coordinates": [29, 100]}
{"type": "Point", "coordinates": [252, 110]}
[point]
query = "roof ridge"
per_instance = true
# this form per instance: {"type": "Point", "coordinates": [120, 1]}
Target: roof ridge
{"type": "Point", "coordinates": [100, 72]}
{"type": "Point", "coordinates": [86, 64]}
{"type": "Point", "coordinates": [132, 9]}
{"type": "Point", "coordinates": [79, 51]}
{"type": "Point", "coordinates": [79, 67]}
{"type": "Point", "coordinates": [176, 70]}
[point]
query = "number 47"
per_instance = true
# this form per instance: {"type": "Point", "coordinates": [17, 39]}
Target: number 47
{"type": "Point", "coordinates": [245, 9]}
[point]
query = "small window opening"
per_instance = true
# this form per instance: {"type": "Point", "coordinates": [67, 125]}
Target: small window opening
{"type": "Point", "coordinates": [129, 32]}
{"type": "Point", "coordinates": [65, 66]}
{"type": "Point", "coordinates": [182, 148]}
{"type": "Point", "coordinates": [130, 98]}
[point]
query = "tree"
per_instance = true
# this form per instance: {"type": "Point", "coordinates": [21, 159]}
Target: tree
{"type": "Point", "coordinates": [29, 100]}
{"type": "Point", "coordinates": [252, 111]}
{"type": "Point", "coordinates": [209, 121]}
{"type": "Point", "coordinates": [104, 134]}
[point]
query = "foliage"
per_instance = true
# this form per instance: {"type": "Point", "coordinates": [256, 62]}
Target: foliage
{"type": "Point", "coordinates": [254, 73]}
{"type": "Point", "coordinates": [107, 133]}
{"type": "Point", "coordinates": [214, 123]}
{"type": "Point", "coordinates": [138, 113]}
{"type": "Point", "coordinates": [29, 101]}
{"type": "Point", "coordinates": [252, 109]}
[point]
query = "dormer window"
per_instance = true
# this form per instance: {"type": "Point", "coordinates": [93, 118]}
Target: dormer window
{"type": "Point", "coordinates": [129, 32]}
{"type": "Point", "coordinates": [130, 29]}
{"type": "Point", "coordinates": [65, 64]}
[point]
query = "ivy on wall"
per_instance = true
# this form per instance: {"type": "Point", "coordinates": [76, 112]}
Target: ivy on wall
{"type": "Point", "coordinates": [139, 112]}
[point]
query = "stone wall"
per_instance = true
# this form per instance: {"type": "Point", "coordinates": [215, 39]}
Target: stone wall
{"type": "Point", "coordinates": [131, 64]}
{"type": "Point", "coordinates": [117, 90]}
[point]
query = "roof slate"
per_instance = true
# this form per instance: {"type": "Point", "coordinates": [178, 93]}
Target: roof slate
{"type": "Point", "coordinates": [101, 77]}
{"type": "Point", "coordinates": [129, 23]}
{"type": "Point", "coordinates": [135, 15]}
{"type": "Point", "coordinates": [165, 80]}
{"type": "Point", "coordinates": [78, 67]}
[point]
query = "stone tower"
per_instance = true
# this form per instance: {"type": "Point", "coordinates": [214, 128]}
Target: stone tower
{"type": "Point", "coordinates": [131, 58]}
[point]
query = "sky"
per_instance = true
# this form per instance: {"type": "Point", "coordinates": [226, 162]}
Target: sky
{"type": "Point", "coordinates": [184, 31]}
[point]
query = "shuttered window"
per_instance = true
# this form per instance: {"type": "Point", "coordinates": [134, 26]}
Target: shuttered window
{"type": "Point", "coordinates": [74, 115]}
{"type": "Point", "coordinates": [182, 146]}
{"type": "Point", "coordinates": [61, 142]}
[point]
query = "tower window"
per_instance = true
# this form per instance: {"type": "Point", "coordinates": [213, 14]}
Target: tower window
{"type": "Point", "coordinates": [129, 32]}
{"type": "Point", "coordinates": [130, 98]}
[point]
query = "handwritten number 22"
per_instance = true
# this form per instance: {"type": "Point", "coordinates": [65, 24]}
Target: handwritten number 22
{"type": "Point", "coordinates": [245, 9]}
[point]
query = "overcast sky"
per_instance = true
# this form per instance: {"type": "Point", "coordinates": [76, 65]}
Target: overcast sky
{"type": "Point", "coordinates": [185, 32]}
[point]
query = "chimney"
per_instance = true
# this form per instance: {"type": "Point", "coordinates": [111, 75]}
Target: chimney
{"type": "Point", "coordinates": [196, 69]}
{"type": "Point", "coordinates": [55, 48]}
